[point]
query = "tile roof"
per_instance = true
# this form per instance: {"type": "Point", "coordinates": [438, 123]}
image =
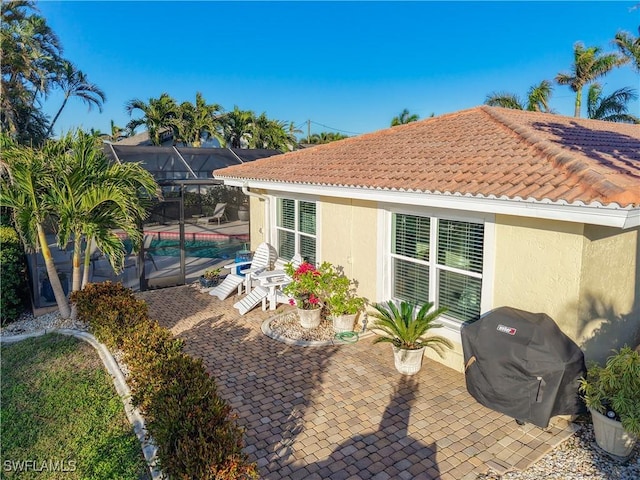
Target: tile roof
{"type": "Point", "coordinates": [483, 151]}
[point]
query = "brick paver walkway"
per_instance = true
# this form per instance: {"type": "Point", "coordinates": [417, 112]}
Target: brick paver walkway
{"type": "Point", "coordinates": [342, 411]}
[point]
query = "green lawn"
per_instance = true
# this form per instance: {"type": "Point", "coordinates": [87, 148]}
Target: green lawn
{"type": "Point", "coordinates": [61, 416]}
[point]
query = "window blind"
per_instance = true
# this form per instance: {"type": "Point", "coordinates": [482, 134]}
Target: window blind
{"type": "Point", "coordinates": [460, 245]}
{"type": "Point", "coordinates": [460, 294]}
{"type": "Point", "coordinates": [308, 217]}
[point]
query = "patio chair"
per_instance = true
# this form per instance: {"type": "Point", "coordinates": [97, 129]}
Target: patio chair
{"type": "Point", "coordinates": [219, 212]}
{"type": "Point", "coordinates": [261, 261]}
{"type": "Point", "coordinates": [270, 283]}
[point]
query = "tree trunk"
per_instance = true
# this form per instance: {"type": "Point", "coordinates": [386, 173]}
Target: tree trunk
{"type": "Point", "coordinates": [76, 272]}
{"type": "Point", "coordinates": [578, 103]}
{"type": "Point", "coordinates": [61, 299]}
{"type": "Point", "coordinates": [87, 262]}
{"type": "Point", "coordinates": [56, 117]}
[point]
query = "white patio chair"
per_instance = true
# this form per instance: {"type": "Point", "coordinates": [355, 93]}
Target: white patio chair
{"type": "Point", "coordinates": [260, 262]}
{"type": "Point", "coordinates": [269, 288]}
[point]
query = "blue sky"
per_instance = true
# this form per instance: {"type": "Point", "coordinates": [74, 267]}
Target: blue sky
{"type": "Point", "coordinates": [346, 66]}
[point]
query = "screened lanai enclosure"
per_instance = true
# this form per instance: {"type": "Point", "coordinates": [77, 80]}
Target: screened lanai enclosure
{"type": "Point", "coordinates": [198, 224]}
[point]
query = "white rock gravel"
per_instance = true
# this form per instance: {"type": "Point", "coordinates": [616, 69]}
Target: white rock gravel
{"type": "Point", "coordinates": [288, 326]}
{"type": "Point", "coordinates": [578, 458]}
{"type": "Point", "coordinates": [27, 323]}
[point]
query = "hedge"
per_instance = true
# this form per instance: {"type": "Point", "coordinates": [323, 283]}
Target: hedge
{"type": "Point", "coordinates": [196, 434]}
{"type": "Point", "coordinates": [13, 276]}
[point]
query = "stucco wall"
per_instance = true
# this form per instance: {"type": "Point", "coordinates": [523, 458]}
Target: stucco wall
{"type": "Point", "coordinates": [256, 221]}
{"type": "Point", "coordinates": [348, 238]}
{"type": "Point", "coordinates": [537, 267]}
{"type": "Point", "coordinates": [583, 276]}
{"type": "Point", "coordinates": [609, 303]}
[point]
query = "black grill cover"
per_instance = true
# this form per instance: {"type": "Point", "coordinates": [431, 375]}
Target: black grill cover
{"type": "Point", "coordinates": [521, 364]}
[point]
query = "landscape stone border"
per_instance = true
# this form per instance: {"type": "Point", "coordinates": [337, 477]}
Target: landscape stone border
{"type": "Point", "coordinates": [266, 329]}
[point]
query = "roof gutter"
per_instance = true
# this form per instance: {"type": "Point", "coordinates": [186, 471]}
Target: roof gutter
{"type": "Point", "coordinates": [267, 216]}
{"type": "Point", "coordinates": [595, 214]}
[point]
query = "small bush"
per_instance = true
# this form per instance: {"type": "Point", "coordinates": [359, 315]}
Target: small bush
{"type": "Point", "coordinates": [192, 426]}
{"type": "Point", "coordinates": [13, 276]}
{"type": "Point", "coordinates": [145, 351]}
{"type": "Point", "coordinates": [111, 310]}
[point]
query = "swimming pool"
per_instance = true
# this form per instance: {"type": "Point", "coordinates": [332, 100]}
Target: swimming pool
{"type": "Point", "coordinates": [198, 248]}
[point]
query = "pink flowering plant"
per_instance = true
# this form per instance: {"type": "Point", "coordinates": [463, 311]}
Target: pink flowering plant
{"type": "Point", "coordinates": [307, 285]}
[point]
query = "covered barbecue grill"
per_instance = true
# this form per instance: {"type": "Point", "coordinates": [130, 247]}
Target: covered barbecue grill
{"type": "Point", "coordinates": [521, 364]}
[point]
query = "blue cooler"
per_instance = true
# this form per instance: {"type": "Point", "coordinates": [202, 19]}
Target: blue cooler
{"type": "Point", "coordinates": [242, 256]}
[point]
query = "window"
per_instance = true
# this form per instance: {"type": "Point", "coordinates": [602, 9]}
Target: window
{"type": "Point", "coordinates": [296, 229]}
{"type": "Point", "coordinates": [439, 260]}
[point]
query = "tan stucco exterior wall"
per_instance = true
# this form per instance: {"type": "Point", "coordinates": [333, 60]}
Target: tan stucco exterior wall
{"type": "Point", "coordinates": [584, 277]}
{"type": "Point", "coordinates": [256, 221]}
{"type": "Point", "coordinates": [348, 238]}
{"type": "Point", "coordinates": [609, 303]}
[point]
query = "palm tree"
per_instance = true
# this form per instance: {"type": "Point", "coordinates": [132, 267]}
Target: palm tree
{"type": "Point", "coordinates": [404, 118]}
{"type": "Point", "coordinates": [197, 120]}
{"type": "Point", "coordinates": [237, 126]}
{"type": "Point", "coordinates": [589, 64]}
{"type": "Point", "coordinates": [537, 98]}
{"type": "Point", "coordinates": [159, 114]}
{"type": "Point", "coordinates": [26, 193]}
{"type": "Point", "coordinates": [93, 198]}
{"type": "Point", "coordinates": [612, 108]}
{"type": "Point", "coordinates": [275, 134]}
{"type": "Point", "coordinates": [326, 137]}
{"type": "Point", "coordinates": [31, 53]}
{"type": "Point", "coordinates": [74, 83]}
{"type": "Point", "coordinates": [629, 47]}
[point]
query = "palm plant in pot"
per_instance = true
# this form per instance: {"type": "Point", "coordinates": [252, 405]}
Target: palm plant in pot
{"type": "Point", "coordinates": [612, 394]}
{"type": "Point", "coordinates": [407, 328]}
{"type": "Point", "coordinates": [341, 301]}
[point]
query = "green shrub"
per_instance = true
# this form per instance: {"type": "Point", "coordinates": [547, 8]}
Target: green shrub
{"type": "Point", "coordinates": [192, 425]}
{"type": "Point", "coordinates": [111, 310]}
{"type": "Point", "coordinates": [13, 276]}
{"type": "Point", "coordinates": [145, 351]}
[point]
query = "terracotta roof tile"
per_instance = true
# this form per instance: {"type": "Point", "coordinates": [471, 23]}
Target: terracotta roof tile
{"type": "Point", "coordinates": [480, 151]}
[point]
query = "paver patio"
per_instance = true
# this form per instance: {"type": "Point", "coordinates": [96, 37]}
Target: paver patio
{"type": "Point", "coordinates": [342, 411]}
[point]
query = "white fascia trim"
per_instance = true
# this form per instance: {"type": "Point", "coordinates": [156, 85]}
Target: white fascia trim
{"type": "Point", "coordinates": [577, 213]}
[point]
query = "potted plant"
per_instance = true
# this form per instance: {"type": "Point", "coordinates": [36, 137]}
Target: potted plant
{"type": "Point", "coordinates": [341, 301]}
{"type": "Point", "coordinates": [243, 212]}
{"type": "Point", "coordinates": [612, 395]}
{"type": "Point", "coordinates": [210, 277]}
{"type": "Point", "coordinates": [407, 327]}
{"type": "Point", "coordinates": [306, 286]}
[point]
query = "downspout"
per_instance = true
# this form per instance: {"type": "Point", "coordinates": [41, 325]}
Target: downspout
{"type": "Point", "coordinates": [267, 212]}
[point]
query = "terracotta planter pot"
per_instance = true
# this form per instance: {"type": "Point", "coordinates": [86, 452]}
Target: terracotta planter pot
{"type": "Point", "coordinates": [610, 436]}
{"type": "Point", "coordinates": [309, 318]}
{"type": "Point", "coordinates": [408, 362]}
{"type": "Point", "coordinates": [344, 323]}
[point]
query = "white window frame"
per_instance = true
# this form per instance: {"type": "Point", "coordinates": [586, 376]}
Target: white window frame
{"type": "Point", "coordinates": [385, 265]}
{"type": "Point", "coordinates": [296, 231]}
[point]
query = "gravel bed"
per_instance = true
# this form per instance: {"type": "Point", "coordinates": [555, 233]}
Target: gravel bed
{"type": "Point", "coordinates": [578, 458]}
{"type": "Point", "coordinates": [27, 323]}
{"type": "Point", "coordinates": [288, 325]}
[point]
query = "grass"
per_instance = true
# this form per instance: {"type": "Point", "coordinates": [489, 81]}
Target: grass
{"type": "Point", "coordinates": [60, 416]}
